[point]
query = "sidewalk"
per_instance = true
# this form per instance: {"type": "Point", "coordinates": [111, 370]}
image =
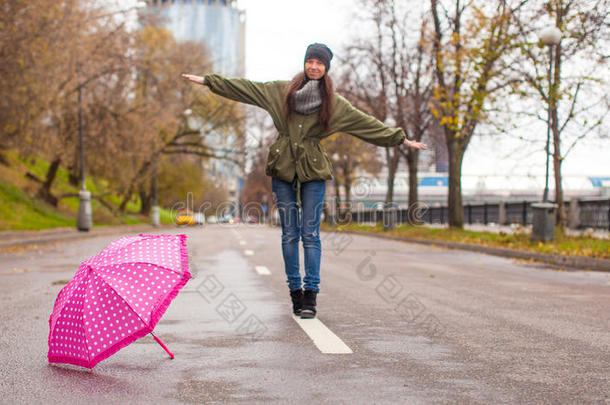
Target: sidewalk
{"type": "Point", "coordinates": [9, 239]}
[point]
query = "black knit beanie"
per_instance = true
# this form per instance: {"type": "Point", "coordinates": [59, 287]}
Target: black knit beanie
{"type": "Point", "coordinates": [320, 52]}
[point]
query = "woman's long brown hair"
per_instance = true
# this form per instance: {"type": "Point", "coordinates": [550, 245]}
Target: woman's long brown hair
{"type": "Point", "coordinates": [327, 91]}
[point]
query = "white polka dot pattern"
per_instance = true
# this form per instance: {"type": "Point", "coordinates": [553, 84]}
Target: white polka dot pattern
{"type": "Point", "coordinates": [116, 297]}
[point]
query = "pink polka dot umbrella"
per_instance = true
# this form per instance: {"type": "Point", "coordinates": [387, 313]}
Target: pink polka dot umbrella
{"type": "Point", "coordinates": [117, 297]}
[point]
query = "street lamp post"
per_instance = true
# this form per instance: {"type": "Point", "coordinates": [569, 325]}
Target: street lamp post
{"type": "Point", "coordinates": [543, 222]}
{"type": "Point", "coordinates": [550, 37]}
{"type": "Point", "coordinates": [83, 221]}
{"type": "Point", "coordinates": [155, 214]}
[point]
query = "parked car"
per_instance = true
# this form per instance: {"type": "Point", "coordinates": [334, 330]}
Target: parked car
{"type": "Point", "coordinates": [185, 218]}
{"type": "Point", "coordinates": [251, 219]}
{"type": "Point", "coordinates": [212, 219]}
{"type": "Point", "coordinates": [199, 218]}
{"type": "Point", "coordinates": [226, 219]}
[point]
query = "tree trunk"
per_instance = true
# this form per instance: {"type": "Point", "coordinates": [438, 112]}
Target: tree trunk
{"type": "Point", "coordinates": [557, 171]}
{"type": "Point", "coordinates": [126, 198]}
{"type": "Point", "coordinates": [73, 176]}
{"type": "Point", "coordinates": [557, 159]}
{"type": "Point", "coordinates": [337, 199]}
{"type": "Point", "coordinates": [324, 212]}
{"type": "Point", "coordinates": [412, 160]}
{"type": "Point", "coordinates": [134, 181]}
{"type": "Point", "coordinates": [348, 200]}
{"type": "Point", "coordinates": [146, 201]}
{"type": "Point", "coordinates": [454, 199]}
{"type": "Point", "coordinates": [392, 168]}
{"type": "Point", "coordinates": [45, 189]}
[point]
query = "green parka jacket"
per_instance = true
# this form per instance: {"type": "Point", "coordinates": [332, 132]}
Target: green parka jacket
{"type": "Point", "coordinates": [297, 149]}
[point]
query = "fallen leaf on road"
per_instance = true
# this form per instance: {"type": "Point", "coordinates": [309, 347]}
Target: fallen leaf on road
{"type": "Point", "coordinates": [16, 270]}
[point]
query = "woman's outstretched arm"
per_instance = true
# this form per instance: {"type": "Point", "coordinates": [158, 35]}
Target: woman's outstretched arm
{"type": "Point", "coordinates": [350, 120]}
{"type": "Point", "coordinates": [242, 90]}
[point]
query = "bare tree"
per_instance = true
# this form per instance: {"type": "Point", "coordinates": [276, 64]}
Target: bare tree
{"type": "Point", "coordinates": [416, 90]}
{"type": "Point", "coordinates": [389, 75]}
{"type": "Point", "coordinates": [366, 82]}
{"type": "Point", "coordinates": [575, 86]}
{"type": "Point", "coordinates": [468, 45]}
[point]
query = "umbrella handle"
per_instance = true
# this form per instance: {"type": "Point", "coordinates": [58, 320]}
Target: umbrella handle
{"type": "Point", "coordinates": [171, 355]}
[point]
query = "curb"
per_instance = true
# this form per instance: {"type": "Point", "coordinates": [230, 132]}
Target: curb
{"type": "Point", "coordinates": [67, 234]}
{"type": "Point", "coordinates": [573, 262]}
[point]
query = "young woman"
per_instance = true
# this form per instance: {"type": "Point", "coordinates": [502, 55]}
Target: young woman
{"type": "Point", "coordinates": [304, 111]}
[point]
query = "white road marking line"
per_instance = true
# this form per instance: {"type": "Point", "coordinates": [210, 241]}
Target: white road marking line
{"type": "Point", "coordinates": [242, 242]}
{"type": "Point", "coordinates": [322, 337]}
{"type": "Point", "coordinates": [248, 252]}
{"type": "Point", "coordinates": [262, 270]}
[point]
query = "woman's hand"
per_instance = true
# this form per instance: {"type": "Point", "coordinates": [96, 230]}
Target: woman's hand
{"type": "Point", "coordinates": [414, 144]}
{"type": "Point", "coordinates": [193, 78]}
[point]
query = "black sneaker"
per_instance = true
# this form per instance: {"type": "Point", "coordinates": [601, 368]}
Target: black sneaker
{"type": "Point", "coordinates": [309, 304]}
{"type": "Point", "coordinates": [297, 301]}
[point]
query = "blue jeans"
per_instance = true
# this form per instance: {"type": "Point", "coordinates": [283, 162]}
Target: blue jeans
{"type": "Point", "coordinates": [299, 224]}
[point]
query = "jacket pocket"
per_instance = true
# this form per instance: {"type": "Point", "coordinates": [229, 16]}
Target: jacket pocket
{"type": "Point", "coordinates": [316, 164]}
{"type": "Point", "coordinates": [277, 148]}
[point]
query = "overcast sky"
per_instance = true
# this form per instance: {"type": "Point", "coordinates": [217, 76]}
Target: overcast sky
{"type": "Point", "coordinates": [278, 31]}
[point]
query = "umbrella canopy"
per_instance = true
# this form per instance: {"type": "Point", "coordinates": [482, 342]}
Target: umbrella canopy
{"type": "Point", "coordinates": [116, 297]}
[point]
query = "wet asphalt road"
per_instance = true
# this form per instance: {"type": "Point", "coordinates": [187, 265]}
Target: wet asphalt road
{"type": "Point", "coordinates": [426, 325]}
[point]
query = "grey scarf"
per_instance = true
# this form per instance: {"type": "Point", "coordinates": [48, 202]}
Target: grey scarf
{"type": "Point", "coordinates": [308, 100]}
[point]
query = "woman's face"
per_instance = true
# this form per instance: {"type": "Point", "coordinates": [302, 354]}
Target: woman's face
{"type": "Point", "coordinates": [314, 69]}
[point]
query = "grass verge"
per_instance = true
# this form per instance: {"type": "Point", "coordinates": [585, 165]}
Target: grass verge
{"type": "Point", "coordinates": [562, 245]}
{"type": "Point", "coordinates": [20, 210]}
